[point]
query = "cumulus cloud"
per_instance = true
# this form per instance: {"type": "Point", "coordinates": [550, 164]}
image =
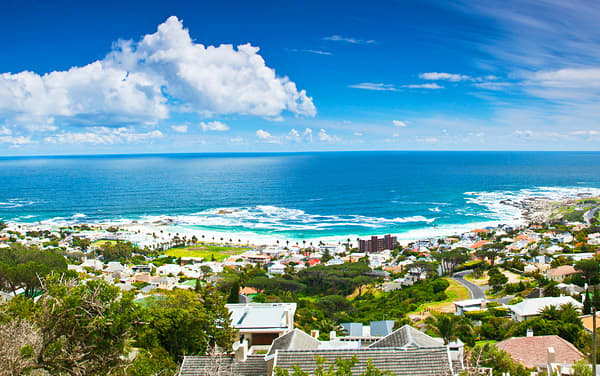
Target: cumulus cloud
{"type": "Point", "coordinates": [214, 126]}
{"type": "Point", "coordinates": [180, 128]}
{"type": "Point", "coordinates": [325, 137]}
{"type": "Point", "coordinates": [142, 82]}
{"type": "Point", "coordinates": [103, 136]}
{"type": "Point", "coordinates": [399, 123]}
{"type": "Point", "coordinates": [4, 131]}
{"type": "Point", "coordinates": [339, 38]}
{"type": "Point", "coordinates": [267, 137]}
{"type": "Point", "coordinates": [435, 76]}
{"type": "Point", "coordinates": [295, 136]}
{"type": "Point", "coordinates": [16, 140]}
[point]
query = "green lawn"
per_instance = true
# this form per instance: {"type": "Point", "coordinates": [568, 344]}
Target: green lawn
{"type": "Point", "coordinates": [220, 253]}
{"type": "Point", "coordinates": [455, 292]}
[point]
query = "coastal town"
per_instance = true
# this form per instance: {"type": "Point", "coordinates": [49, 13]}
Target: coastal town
{"type": "Point", "coordinates": [497, 300]}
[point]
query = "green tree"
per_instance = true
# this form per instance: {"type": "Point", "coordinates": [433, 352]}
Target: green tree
{"type": "Point", "coordinates": [497, 279]}
{"type": "Point", "coordinates": [340, 367]}
{"type": "Point", "coordinates": [589, 269]}
{"type": "Point", "coordinates": [448, 326]}
{"type": "Point", "coordinates": [587, 303]}
{"type": "Point", "coordinates": [234, 293]}
{"type": "Point", "coordinates": [84, 327]}
{"type": "Point", "coordinates": [154, 362]}
{"type": "Point", "coordinates": [23, 267]}
{"type": "Point", "coordinates": [488, 355]}
{"type": "Point", "coordinates": [185, 322]}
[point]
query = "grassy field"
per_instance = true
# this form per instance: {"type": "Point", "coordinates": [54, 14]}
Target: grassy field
{"type": "Point", "coordinates": [220, 253]}
{"type": "Point", "coordinates": [100, 243]}
{"type": "Point", "coordinates": [455, 292]}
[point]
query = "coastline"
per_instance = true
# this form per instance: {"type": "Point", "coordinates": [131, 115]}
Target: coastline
{"type": "Point", "coordinates": [524, 209]}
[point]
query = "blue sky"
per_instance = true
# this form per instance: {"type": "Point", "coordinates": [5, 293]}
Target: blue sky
{"type": "Point", "coordinates": [189, 76]}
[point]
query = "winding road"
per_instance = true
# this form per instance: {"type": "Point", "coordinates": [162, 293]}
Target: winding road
{"type": "Point", "coordinates": [475, 291]}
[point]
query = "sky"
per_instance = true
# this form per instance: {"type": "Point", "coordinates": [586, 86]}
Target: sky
{"type": "Point", "coordinates": [271, 76]}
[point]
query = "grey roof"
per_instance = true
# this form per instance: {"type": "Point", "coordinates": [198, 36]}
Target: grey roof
{"type": "Point", "coordinates": [382, 328]}
{"type": "Point", "coordinates": [413, 362]}
{"type": "Point", "coordinates": [260, 315]}
{"type": "Point", "coordinates": [406, 337]}
{"type": "Point", "coordinates": [354, 329]}
{"type": "Point", "coordinates": [255, 365]}
{"type": "Point", "coordinates": [294, 340]}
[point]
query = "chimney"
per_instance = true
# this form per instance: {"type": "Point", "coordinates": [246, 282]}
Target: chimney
{"type": "Point", "coordinates": [314, 334]}
{"type": "Point", "coordinates": [332, 335]}
{"type": "Point", "coordinates": [241, 350]}
{"type": "Point", "coordinates": [529, 332]}
{"type": "Point", "coordinates": [551, 356]}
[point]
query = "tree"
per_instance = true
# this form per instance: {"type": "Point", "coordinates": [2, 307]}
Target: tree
{"type": "Point", "coordinates": [185, 322]}
{"type": "Point", "coordinates": [497, 279]}
{"type": "Point", "coordinates": [587, 303]}
{"type": "Point", "coordinates": [596, 298]}
{"type": "Point", "coordinates": [589, 269]}
{"type": "Point", "coordinates": [234, 293]}
{"type": "Point", "coordinates": [449, 260]}
{"type": "Point", "coordinates": [84, 327]}
{"type": "Point", "coordinates": [23, 267]}
{"type": "Point", "coordinates": [448, 326]}
{"type": "Point", "coordinates": [21, 343]}
{"type": "Point", "coordinates": [118, 251]}
{"type": "Point", "coordinates": [488, 355]}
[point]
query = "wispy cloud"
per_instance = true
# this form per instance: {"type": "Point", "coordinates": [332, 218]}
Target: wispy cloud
{"type": "Point", "coordinates": [432, 86]}
{"type": "Point", "coordinates": [339, 38]}
{"type": "Point", "coordinates": [374, 86]}
{"type": "Point", "coordinates": [309, 51]}
{"type": "Point", "coordinates": [399, 123]}
{"type": "Point", "coordinates": [436, 76]}
{"type": "Point", "coordinates": [180, 128]}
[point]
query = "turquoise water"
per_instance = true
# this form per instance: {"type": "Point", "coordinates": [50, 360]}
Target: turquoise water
{"type": "Point", "coordinates": [301, 195]}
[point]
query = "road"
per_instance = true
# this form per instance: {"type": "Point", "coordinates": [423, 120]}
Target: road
{"type": "Point", "coordinates": [475, 292]}
{"type": "Point", "coordinates": [589, 215]}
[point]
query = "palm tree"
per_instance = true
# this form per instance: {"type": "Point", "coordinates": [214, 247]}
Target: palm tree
{"type": "Point", "coordinates": [448, 326]}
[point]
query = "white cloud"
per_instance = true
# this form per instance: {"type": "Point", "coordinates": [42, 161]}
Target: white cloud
{"type": "Point", "coordinates": [236, 140]}
{"type": "Point", "coordinates": [374, 86]}
{"type": "Point", "coordinates": [435, 76]}
{"type": "Point", "coordinates": [214, 126]}
{"type": "Point", "coordinates": [297, 137]}
{"type": "Point", "coordinates": [180, 128]}
{"type": "Point", "coordinates": [399, 123]}
{"type": "Point", "coordinates": [432, 86]}
{"type": "Point", "coordinates": [339, 38]}
{"type": "Point", "coordinates": [16, 140]}
{"type": "Point", "coordinates": [267, 137]}
{"type": "Point", "coordinates": [325, 137]}
{"type": "Point", "coordinates": [429, 140]}
{"type": "Point", "coordinates": [103, 136]}
{"type": "Point", "coordinates": [133, 84]}
{"type": "Point", "coordinates": [5, 131]}
{"type": "Point", "coordinates": [316, 52]}
{"type": "Point", "coordinates": [358, 134]}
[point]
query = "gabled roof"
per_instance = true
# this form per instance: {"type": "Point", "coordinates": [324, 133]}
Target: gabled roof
{"type": "Point", "coordinates": [254, 365]}
{"type": "Point", "coordinates": [401, 362]}
{"type": "Point", "coordinates": [533, 351]}
{"type": "Point", "coordinates": [407, 337]}
{"type": "Point", "coordinates": [294, 340]}
{"type": "Point", "coordinates": [260, 315]}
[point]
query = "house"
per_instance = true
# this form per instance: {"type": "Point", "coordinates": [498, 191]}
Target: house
{"type": "Point", "coordinates": [406, 351]}
{"type": "Point", "coordinates": [541, 352]}
{"type": "Point", "coordinates": [529, 308]}
{"type": "Point", "coordinates": [276, 268]}
{"type": "Point", "coordinates": [168, 269]}
{"type": "Point", "coordinates": [469, 305]}
{"type": "Point", "coordinates": [560, 273]}
{"type": "Point", "coordinates": [261, 323]}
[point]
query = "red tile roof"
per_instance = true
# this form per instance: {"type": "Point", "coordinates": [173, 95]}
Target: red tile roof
{"type": "Point", "coordinates": [562, 270]}
{"type": "Point", "coordinates": [533, 351]}
{"type": "Point", "coordinates": [480, 244]}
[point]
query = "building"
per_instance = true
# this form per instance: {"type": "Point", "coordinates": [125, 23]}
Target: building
{"type": "Point", "coordinates": [261, 323]}
{"type": "Point", "coordinates": [541, 352]}
{"type": "Point", "coordinates": [469, 305]}
{"type": "Point", "coordinates": [406, 351]}
{"type": "Point", "coordinates": [529, 308]}
{"type": "Point", "coordinates": [560, 273]}
{"type": "Point", "coordinates": [376, 244]}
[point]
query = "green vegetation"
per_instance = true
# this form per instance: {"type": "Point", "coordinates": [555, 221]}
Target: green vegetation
{"type": "Point", "coordinates": [207, 252]}
{"type": "Point", "coordinates": [340, 367]}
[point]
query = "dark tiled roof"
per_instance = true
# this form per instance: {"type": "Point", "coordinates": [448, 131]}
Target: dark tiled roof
{"type": "Point", "coordinates": [294, 340]}
{"type": "Point", "coordinates": [401, 362]}
{"type": "Point", "coordinates": [254, 365]}
{"type": "Point", "coordinates": [406, 336]}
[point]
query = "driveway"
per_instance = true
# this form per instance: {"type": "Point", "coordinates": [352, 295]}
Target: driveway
{"type": "Point", "coordinates": [475, 292]}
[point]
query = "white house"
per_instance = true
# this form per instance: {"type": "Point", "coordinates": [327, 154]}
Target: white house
{"type": "Point", "coordinates": [529, 308]}
{"type": "Point", "coordinates": [276, 268]}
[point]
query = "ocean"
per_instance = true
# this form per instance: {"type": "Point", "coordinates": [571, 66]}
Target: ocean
{"type": "Point", "coordinates": [293, 195]}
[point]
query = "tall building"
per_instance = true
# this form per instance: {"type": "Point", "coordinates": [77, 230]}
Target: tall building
{"type": "Point", "coordinates": [376, 244]}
